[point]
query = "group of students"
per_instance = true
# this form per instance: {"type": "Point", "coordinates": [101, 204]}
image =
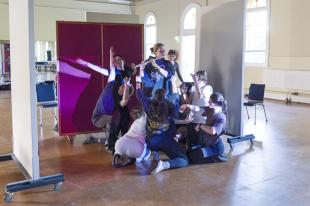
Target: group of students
{"type": "Point", "coordinates": [161, 113]}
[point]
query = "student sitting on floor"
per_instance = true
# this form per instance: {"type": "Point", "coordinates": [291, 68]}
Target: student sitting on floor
{"type": "Point", "coordinates": [201, 97]}
{"type": "Point", "coordinates": [185, 97]}
{"type": "Point", "coordinates": [207, 146]}
{"type": "Point", "coordinates": [160, 129]}
{"type": "Point", "coordinates": [131, 147]}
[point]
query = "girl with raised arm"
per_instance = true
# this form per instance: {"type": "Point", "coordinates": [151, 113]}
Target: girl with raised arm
{"type": "Point", "coordinates": [160, 129]}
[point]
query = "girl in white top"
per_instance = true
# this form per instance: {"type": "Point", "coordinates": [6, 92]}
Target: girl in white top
{"type": "Point", "coordinates": [202, 95]}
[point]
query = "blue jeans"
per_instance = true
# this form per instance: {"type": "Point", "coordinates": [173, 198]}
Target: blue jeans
{"type": "Point", "coordinates": [216, 150]}
{"type": "Point", "coordinates": [198, 154]}
{"type": "Point", "coordinates": [164, 142]}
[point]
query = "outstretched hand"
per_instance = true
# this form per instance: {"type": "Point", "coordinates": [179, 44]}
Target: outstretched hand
{"type": "Point", "coordinates": [127, 80]}
{"type": "Point", "coordinates": [152, 61]}
{"type": "Point", "coordinates": [182, 108]}
{"type": "Point", "coordinates": [112, 50]}
{"type": "Point", "coordinates": [81, 61]}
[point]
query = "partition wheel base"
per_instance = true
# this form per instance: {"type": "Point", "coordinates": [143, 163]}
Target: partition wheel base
{"type": "Point", "coordinates": [232, 140]}
{"type": "Point", "coordinates": [55, 180]}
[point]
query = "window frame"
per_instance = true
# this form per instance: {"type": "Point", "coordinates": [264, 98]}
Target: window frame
{"type": "Point", "coordinates": [145, 28]}
{"type": "Point", "coordinates": [267, 8]}
{"type": "Point", "coordinates": [187, 32]}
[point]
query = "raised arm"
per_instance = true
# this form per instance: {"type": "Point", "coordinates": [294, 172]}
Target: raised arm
{"type": "Point", "coordinates": [177, 68]}
{"type": "Point", "coordinates": [197, 90]}
{"type": "Point", "coordinates": [141, 98]}
{"type": "Point", "coordinates": [96, 68]}
{"type": "Point", "coordinates": [111, 56]}
{"type": "Point", "coordinates": [125, 98]}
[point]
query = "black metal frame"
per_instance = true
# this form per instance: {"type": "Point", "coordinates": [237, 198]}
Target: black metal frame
{"type": "Point", "coordinates": [55, 180]}
{"type": "Point", "coordinates": [232, 140]}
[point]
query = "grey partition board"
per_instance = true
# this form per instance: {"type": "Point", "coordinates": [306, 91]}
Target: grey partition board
{"type": "Point", "coordinates": [220, 48]}
{"type": "Point", "coordinates": [111, 18]}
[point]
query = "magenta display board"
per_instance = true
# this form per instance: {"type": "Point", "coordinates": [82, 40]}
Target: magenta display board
{"type": "Point", "coordinates": [79, 87]}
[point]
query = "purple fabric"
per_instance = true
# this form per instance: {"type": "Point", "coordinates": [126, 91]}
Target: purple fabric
{"type": "Point", "coordinates": [80, 87]}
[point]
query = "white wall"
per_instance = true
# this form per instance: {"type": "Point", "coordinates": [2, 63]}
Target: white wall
{"type": "Point", "coordinates": [45, 21]}
{"type": "Point", "coordinates": [4, 22]}
{"type": "Point", "coordinates": [111, 18]}
{"type": "Point", "coordinates": [168, 15]}
{"type": "Point", "coordinates": [47, 12]}
{"type": "Point", "coordinates": [288, 68]}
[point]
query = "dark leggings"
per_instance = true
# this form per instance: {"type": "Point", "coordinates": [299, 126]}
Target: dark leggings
{"type": "Point", "coordinates": [164, 142]}
{"type": "Point", "coordinates": [119, 123]}
{"type": "Point", "coordinates": [193, 137]}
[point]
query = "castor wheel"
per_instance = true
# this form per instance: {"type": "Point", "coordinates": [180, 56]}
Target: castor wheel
{"type": "Point", "coordinates": [8, 196]}
{"type": "Point", "coordinates": [57, 186]}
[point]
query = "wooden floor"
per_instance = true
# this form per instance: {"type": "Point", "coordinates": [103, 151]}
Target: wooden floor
{"type": "Point", "coordinates": [275, 171]}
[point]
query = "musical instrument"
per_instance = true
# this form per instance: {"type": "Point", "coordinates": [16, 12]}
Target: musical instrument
{"type": "Point", "coordinates": [146, 62]}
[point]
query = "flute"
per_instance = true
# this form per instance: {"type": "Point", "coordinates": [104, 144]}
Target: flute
{"type": "Point", "coordinates": [146, 62]}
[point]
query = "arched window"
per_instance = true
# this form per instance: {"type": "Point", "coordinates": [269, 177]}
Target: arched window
{"type": "Point", "coordinates": [256, 36]}
{"type": "Point", "coordinates": [188, 38]}
{"type": "Point", "coordinates": [150, 33]}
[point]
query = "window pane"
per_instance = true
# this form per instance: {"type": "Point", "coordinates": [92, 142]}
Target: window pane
{"type": "Point", "coordinates": [190, 19]}
{"type": "Point", "coordinates": [256, 3]}
{"type": "Point", "coordinates": [255, 57]}
{"type": "Point", "coordinates": [256, 18]}
{"type": "Point", "coordinates": [256, 36]}
{"type": "Point", "coordinates": [150, 20]}
{"type": "Point", "coordinates": [188, 57]}
{"type": "Point", "coordinates": [255, 31]}
{"type": "Point", "coordinates": [150, 34]}
{"type": "Point", "coordinates": [41, 48]}
{"type": "Point", "coordinates": [148, 49]}
{"type": "Point", "coordinates": [255, 44]}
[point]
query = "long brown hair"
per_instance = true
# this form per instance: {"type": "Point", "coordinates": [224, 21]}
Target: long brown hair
{"type": "Point", "coordinates": [159, 107]}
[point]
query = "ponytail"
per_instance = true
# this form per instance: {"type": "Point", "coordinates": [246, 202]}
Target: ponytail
{"type": "Point", "coordinates": [218, 99]}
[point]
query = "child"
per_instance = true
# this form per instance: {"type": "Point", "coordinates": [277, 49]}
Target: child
{"type": "Point", "coordinates": [207, 145]}
{"type": "Point", "coordinates": [131, 147]}
{"type": "Point", "coordinates": [160, 129]}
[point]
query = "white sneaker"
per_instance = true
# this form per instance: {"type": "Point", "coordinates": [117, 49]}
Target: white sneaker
{"type": "Point", "coordinates": [162, 165]}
